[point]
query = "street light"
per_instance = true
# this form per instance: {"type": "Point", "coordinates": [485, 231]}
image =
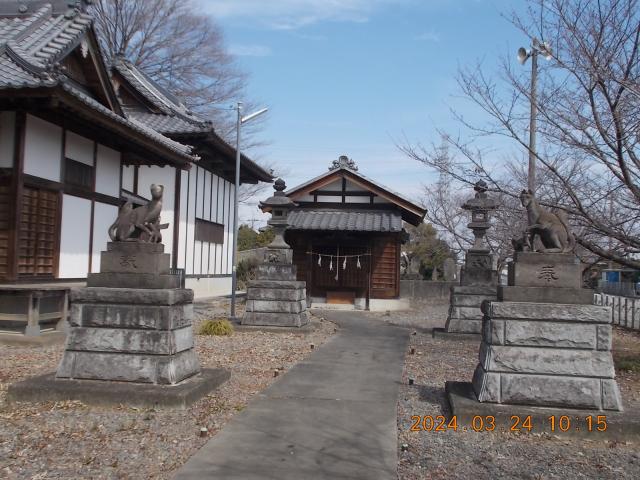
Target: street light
{"type": "Point", "coordinates": [234, 280]}
{"type": "Point", "coordinates": [523, 55]}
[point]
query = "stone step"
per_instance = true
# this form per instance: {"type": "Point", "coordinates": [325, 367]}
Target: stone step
{"type": "Point", "coordinates": [133, 280]}
{"type": "Point", "coordinates": [548, 361]}
{"type": "Point", "coordinates": [166, 317]}
{"type": "Point", "coordinates": [546, 390]}
{"type": "Point", "coordinates": [547, 334]}
{"type": "Point", "coordinates": [131, 296]}
{"type": "Point", "coordinates": [290, 294]}
{"type": "Point", "coordinates": [269, 306]}
{"type": "Point", "coordinates": [141, 368]}
{"type": "Point", "coordinates": [545, 295]}
{"type": "Point", "coordinates": [548, 312]}
{"type": "Point", "coordinates": [126, 340]}
{"type": "Point", "coordinates": [467, 325]}
{"type": "Point", "coordinates": [466, 300]}
{"type": "Point", "coordinates": [276, 319]}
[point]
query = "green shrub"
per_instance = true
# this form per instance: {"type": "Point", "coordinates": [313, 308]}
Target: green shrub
{"type": "Point", "coordinates": [246, 271]}
{"type": "Point", "coordinates": [628, 364]}
{"type": "Point", "coordinates": [220, 326]}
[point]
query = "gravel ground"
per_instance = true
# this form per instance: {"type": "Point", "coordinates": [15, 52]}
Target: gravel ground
{"type": "Point", "coordinates": [497, 455]}
{"type": "Point", "coordinates": [423, 316]}
{"type": "Point", "coordinates": [68, 440]}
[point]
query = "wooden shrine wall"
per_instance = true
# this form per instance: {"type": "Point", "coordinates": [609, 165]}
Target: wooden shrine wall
{"type": "Point", "coordinates": [385, 275]}
{"type": "Point", "coordinates": [381, 270]}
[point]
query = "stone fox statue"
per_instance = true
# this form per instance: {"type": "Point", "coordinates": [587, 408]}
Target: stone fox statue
{"type": "Point", "coordinates": [140, 224]}
{"type": "Point", "coordinates": [551, 228]}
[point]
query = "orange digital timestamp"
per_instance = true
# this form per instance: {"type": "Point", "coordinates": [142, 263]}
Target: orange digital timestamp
{"type": "Point", "coordinates": [517, 423]}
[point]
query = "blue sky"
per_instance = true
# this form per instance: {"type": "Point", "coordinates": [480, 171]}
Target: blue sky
{"type": "Point", "coordinates": [351, 76]}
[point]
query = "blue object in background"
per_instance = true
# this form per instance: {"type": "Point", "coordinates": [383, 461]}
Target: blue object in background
{"type": "Point", "coordinates": [613, 277]}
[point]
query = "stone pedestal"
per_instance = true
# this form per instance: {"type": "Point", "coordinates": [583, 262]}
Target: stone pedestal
{"type": "Point", "coordinates": [140, 333]}
{"type": "Point", "coordinates": [542, 353]}
{"type": "Point", "coordinates": [477, 284]}
{"type": "Point", "coordinates": [276, 298]}
{"type": "Point", "coordinates": [131, 335]}
{"type": "Point", "coordinates": [134, 265]}
{"type": "Point", "coordinates": [465, 315]}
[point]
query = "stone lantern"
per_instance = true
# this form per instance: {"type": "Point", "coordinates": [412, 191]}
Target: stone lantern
{"type": "Point", "coordinates": [478, 277]}
{"type": "Point", "coordinates": [480, 207]}
{"type": "Point", "coordinates": [278, 251]}
{"type": "Point", "coordinates": [275, 298]}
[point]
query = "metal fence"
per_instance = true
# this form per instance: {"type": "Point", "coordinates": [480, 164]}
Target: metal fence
{"type": "Point", "coordinates": [626, 310]}
{"type": "Point", "coordinates": [622, 289]}
{"type": "Point", "coordinates": [180, 272]}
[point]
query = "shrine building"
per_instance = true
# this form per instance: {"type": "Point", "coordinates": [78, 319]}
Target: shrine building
{"type": "Point", "coordinates": [80, 135]}
{"type": "Point", "coordinates": [346, 234]}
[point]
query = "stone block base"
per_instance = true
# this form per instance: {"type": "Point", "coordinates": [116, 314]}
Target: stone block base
{"type": "Point", "coordinates": [545, 295]}
{"type": "Point", "coordinates": [465, 315]}
{"type": "Point", "coordinates": [275, 319]}
{"type": "Point", "coordinates": [274, 302]}
{"type": "Point", "coordinates": [128, 367]}
{"type": "Point", "coordinates": [586, 423]}
{"type": "Point", "coordinates": [442, 334]}
{"type": "Point", "coordinates": [130, 335]}
{"type": "Point", "coordinates": [132, 280]}
{"type": "Point", "coordinates": [551, 355]}
{"type": "Point", "coordinates": [547, 390]}
{"type": "Point", "coordinates": [46, 388]}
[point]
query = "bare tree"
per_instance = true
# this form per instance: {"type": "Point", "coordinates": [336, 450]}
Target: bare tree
{"type": "Point", "coordinates": [588, 122]}
{"type": "Point", "coordinates": [183, 50]}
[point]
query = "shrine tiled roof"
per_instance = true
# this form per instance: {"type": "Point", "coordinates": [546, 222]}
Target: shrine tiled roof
{"type": "Point", "coordinates": [375, 221]}
{"type": "Point", "coordinates": [35, 37]}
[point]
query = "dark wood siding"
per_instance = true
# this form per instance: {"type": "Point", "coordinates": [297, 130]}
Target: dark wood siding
{"type": "Point", "coordinates": [386, 261]}
{"type": "Point", "coordinates": [207, 231]}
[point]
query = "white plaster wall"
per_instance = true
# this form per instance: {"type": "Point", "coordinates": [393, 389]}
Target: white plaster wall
{"type": "Point", "coordinates": [337, 185]}
{"type": "Point", "coordinates": [329, 199]}
{"type": "Point", "coordinates": [42, 149]}
{"type": "Point", "coordinates": [191, 219]}
{"type": "Point", "coordinates": [207, 287]}
{"type": "Point", "coordinates": [127, 178]}
{"type": "Point", "coordinates": [380, 200]}
{"type": "Point", "coordinates": [225, 221]}
{"type": "Point", "coordinates": [231, 235]}
{"type": "Point", "coordinates": [161, 176]}
{"type": "Point", "coordinates": [350, 186]}
{"type": "Point", "coordinates": [7, 138]}
{"type": "Point", "coordinates": [108, 171]}
{"type": "Point", "coordinates": [201, 194]}
{"type": "Point", "coordinates": [182, 227]}
{"type": "Point", "coordinates": [74, 237]}
{"type": "Point", "coordinates": [305, 198]}
{"type": "Point", "coordinates": [213, 247]}
{"type": "Point", "coordinates": [222, 206]}
{"type": "Point", "coordinates": [103, 216]}
{"type": "Point", "coordinates": [358, 199]}
{"type": "Point", "coordinates": [78, 148]}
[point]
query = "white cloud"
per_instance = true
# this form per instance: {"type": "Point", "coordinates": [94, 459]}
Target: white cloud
{"type": "Point", "coordinates": [250, 50]}
{"type": "Point", "coordinates": [429, 36]}
{"type": "Point", "coordinates": [293, 14]}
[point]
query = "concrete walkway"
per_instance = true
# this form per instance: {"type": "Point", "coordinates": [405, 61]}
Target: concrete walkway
{"type": "Point", "coordinates": [332, 416]}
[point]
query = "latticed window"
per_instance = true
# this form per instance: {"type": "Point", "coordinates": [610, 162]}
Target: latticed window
{"type": "Point", "coordinates": [6, 205]}
{"type": "Point", "coordinates": [37, 234]}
